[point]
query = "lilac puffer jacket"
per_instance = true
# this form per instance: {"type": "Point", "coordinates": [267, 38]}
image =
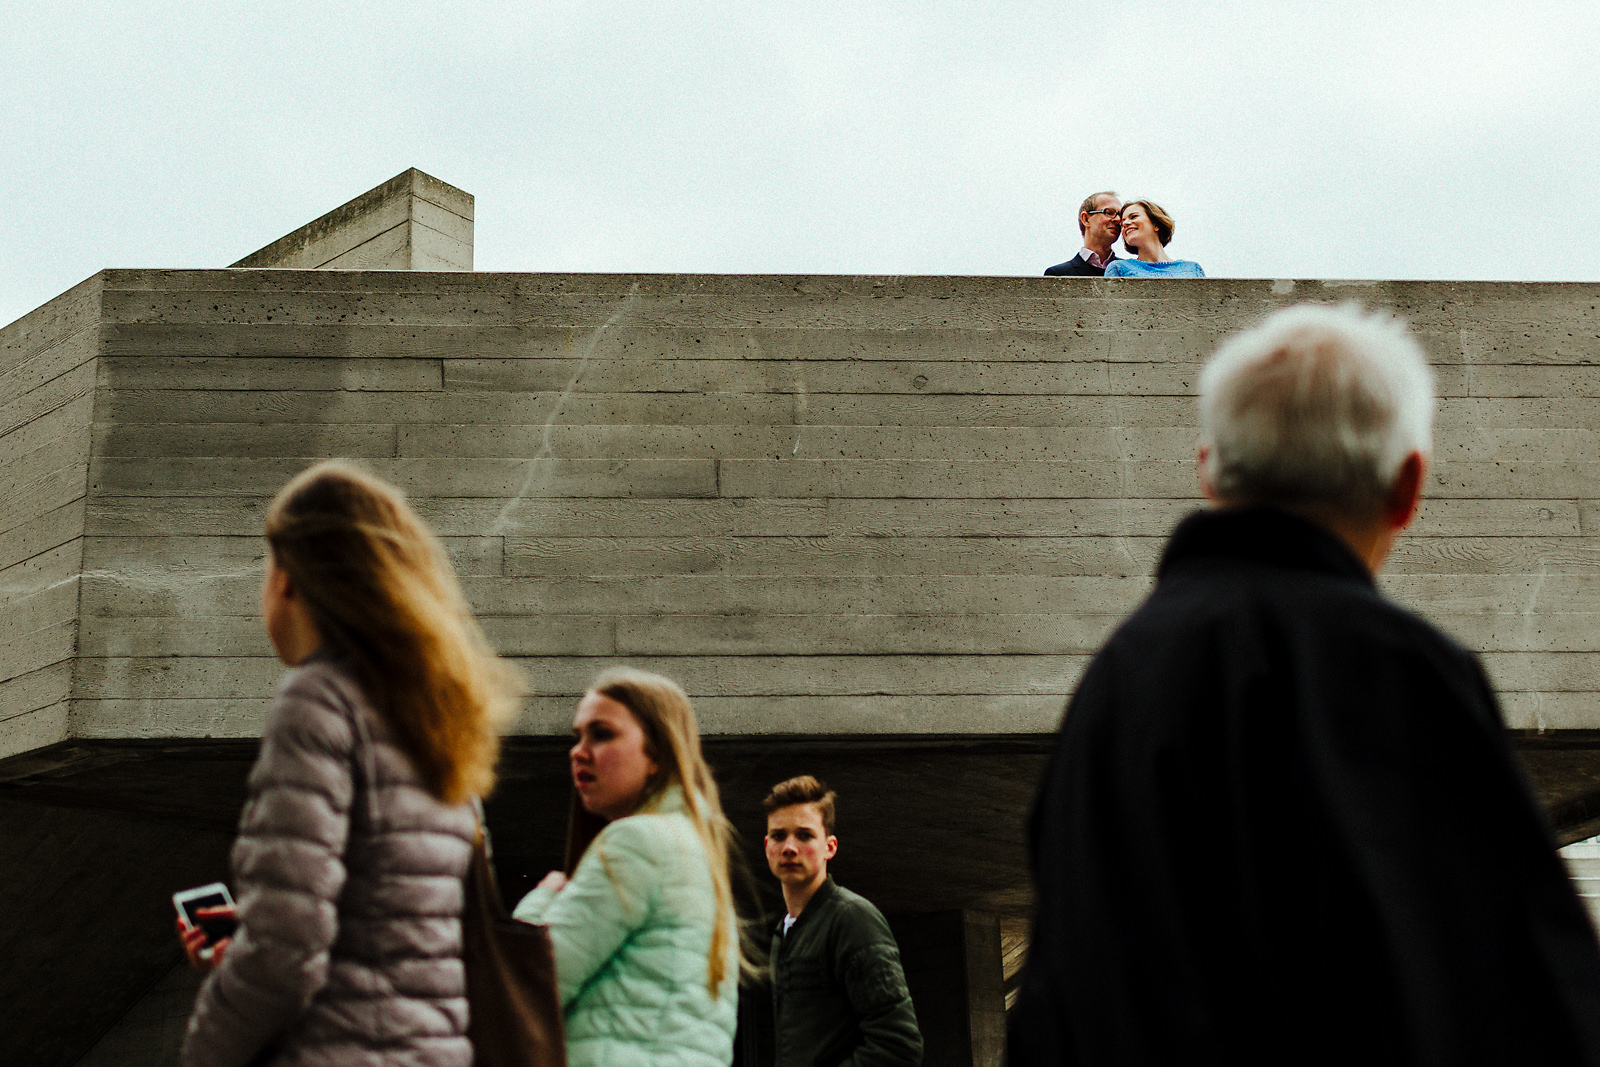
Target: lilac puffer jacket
{"type": "Point", "coordinates": [348, 875]}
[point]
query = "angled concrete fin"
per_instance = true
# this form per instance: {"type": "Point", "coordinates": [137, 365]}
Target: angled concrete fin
{"type": "Point", "coordinates": [413, 221]}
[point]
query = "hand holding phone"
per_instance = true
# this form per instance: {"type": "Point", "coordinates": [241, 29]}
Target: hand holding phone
{"type": "Point", "coordinates": [206, 922]}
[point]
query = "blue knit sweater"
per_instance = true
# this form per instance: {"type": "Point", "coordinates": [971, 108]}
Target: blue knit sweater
{"type": "Point", "coordinates": [1138, 268]}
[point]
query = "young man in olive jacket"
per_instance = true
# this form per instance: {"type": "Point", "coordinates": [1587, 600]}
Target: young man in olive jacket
{"type": "Point", "coordinates": [839, 996]}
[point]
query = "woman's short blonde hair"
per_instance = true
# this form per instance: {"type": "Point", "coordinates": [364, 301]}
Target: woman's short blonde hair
{"type": "Point", "coordinates": [385, 600]}
{"type": "Point", "coordinates": [1165, 227]}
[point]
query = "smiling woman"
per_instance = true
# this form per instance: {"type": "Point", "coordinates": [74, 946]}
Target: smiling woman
{"type": "Point", "coordinates": [1146, 232]}
{"type": "Point", "coordinates": [642, 922]}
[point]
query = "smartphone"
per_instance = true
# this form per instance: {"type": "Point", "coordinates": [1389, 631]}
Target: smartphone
{"type": "Point", "coordinates": [215, 895]}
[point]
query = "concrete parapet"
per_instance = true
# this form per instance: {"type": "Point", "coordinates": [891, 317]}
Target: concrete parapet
{"type": "Point", "coordinates": [826, 504]}
{"type": "Point", "coordinates": [413, 221]}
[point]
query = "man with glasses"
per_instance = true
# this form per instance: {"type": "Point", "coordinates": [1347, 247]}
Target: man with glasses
{"type": "Point", "coordinates": [1100, 222]}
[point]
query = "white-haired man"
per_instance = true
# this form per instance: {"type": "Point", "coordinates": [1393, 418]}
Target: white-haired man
{"type": "Point", "coordinates": [1283, 824]}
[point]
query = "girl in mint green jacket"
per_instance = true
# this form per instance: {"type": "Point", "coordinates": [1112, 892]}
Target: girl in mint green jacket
{"type": "Point", "coordinates": [645, 937]}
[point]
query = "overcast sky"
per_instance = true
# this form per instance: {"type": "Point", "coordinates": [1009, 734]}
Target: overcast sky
{"type": "Point", "coordinates": [1287, 138]}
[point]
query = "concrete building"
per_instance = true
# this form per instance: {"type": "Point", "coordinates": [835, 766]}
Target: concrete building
{"type": "Point", "coordinates": [874, 525]}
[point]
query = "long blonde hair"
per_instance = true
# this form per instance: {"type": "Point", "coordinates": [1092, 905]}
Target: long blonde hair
{"type": "Point", "coordinates": [384, 598]}
{"type": "Point", "coordinates": [672, 740]}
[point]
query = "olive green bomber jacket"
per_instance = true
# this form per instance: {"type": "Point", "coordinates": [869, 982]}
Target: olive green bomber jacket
{"type": "Point", "coordinates": [839, 995]}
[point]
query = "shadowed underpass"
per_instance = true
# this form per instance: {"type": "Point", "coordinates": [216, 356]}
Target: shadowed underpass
{"type": "Point", "coordinates": [97, 835]}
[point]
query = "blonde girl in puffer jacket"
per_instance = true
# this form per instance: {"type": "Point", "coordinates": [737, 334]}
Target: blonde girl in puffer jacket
{"type": "Point", "coordinates": [357, 831]}
{"type": "Point", "coordinates": [646, 939]}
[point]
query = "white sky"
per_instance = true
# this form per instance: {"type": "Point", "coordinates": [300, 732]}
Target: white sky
{"type": "Point", "coordinates": [1288, 138]}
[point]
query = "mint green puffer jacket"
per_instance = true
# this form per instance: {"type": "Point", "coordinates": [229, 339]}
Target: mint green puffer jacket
{"type": "Point", "coordinates": [632, 934]}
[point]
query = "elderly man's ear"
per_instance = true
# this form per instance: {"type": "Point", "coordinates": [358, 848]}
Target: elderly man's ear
{"type": "Point", "coordinates": [1406, 493]}
{"type": "Point", "coordinates": [1207, 490]}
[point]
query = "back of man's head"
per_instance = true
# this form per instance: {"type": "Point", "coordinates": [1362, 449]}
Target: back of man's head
{"type": "Point", "coordinates": [802, 790]}
{"type": "Point", "coordinates": [1315, 408]}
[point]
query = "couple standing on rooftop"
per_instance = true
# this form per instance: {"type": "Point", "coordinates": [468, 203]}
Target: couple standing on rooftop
{"type": "Point", "coordinates": [1145, 229]}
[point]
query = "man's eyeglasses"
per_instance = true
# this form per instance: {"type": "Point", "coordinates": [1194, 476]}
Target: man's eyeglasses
{"type": "Point", "coordinates": [1109, 212]}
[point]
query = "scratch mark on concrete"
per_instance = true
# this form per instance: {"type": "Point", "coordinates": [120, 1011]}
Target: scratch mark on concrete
{"type": "Point", "coordinates": [536, 469]}
{"type": "Point", "coordinates": [801, 402]}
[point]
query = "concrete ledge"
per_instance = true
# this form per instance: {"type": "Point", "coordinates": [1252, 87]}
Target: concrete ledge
{"type": "Point", "coordinates": [834, 504]}
{"type": "Point", "coordinates": [32, 730]}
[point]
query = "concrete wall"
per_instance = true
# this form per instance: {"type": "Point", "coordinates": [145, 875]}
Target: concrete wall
{"type": "Point", "coordinates": [413, 221]}
{"type": "Point", "coordinates": [828, 505]}
{"type": "Point", "coordinates": [47, 373]}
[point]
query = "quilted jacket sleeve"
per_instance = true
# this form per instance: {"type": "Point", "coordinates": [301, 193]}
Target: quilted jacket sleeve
{"type": "Point", "coordinates": [877, 994]}
{"type": "Point", "coordinates": [609, 897]}
{"type": "Point", "coordinates": [288, 871]}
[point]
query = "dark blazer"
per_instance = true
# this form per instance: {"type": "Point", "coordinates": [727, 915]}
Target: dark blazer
{"type": "Point", "coordinates": [1284, 824]}
{"type": "Point", "coordinates": [1075, 267]}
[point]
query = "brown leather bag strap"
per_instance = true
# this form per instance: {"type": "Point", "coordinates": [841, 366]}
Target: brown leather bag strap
{"type": "Point", "coordinates": [515, 1003]}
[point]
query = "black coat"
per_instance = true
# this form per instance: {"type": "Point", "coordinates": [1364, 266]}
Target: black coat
{"type": "Point", "coordinates": [1075, 267]}
{"type": "Point", "coordinates": [1284, 825]}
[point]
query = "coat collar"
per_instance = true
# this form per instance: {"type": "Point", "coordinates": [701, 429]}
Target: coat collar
{"type": "Point", "coordinates": [667, 802]}
{"type": "Point", "coordinates": [824, 891]}
{"type": "Point", "coordinates": [1259, 535]}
